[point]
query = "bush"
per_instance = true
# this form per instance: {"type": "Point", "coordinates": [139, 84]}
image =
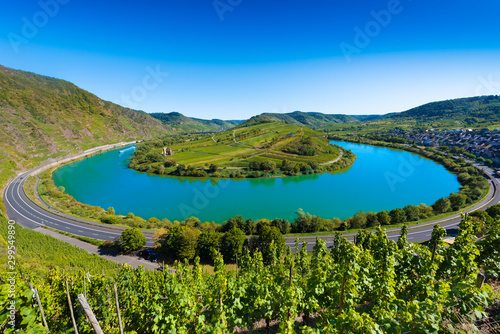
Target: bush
{"type": "Point", "coordinates": [110, 219]}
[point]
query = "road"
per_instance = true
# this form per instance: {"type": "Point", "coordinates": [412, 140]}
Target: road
{"type": "Point", "coordinates": [420, 232]}
{"type": "Point", "coordinates": [28, 214]}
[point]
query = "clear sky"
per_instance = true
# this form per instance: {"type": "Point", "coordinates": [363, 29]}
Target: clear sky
{"type": "Point", "coordinates": [233, 59]}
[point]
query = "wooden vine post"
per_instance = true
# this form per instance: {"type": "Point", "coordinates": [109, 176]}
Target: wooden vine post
{"type": "Point", "coordinates": [118, 309]}
{"type": "Point", "coordinates": [39, 305]}
{"type": "Point", "coordinates": [70, 306]}
{"type": "Point", "coordinates": [90, 315]}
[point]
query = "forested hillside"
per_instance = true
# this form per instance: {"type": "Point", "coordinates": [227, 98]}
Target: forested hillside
{"type": "Point", "coordinates": [310, 119]}
{"type": "Point", "coordinates": [468, 111]}
{"type": "Point", "coordinates": [180, 123]}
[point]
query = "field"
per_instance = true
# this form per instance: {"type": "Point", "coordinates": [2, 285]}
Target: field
{"type": "Point", "coordinates": [269, 149]}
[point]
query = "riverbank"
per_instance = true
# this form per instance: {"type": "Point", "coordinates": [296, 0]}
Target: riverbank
{"type": "Point", "coordinates": [214, 189]}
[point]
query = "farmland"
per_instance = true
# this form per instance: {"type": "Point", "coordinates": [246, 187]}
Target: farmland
{"type": "Point", "coordinates": [263, 150]}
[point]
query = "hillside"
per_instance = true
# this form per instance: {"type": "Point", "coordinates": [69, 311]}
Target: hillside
{"type": "Point", "coordinates": [43, 117]}
{"type": "Point", "coordinates": [471, 112]}
{"type": "Point", "coordinates": [310, 119]}
{"type": "Point", "coordinates": [467, 111]}
{"type": "Point", "coordinates": [263, 150]}
{"type": "Point", "coordinates": [180, 123]}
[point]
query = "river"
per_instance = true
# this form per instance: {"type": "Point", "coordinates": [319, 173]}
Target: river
{"type": "Point", "coordinates": [380, 179]}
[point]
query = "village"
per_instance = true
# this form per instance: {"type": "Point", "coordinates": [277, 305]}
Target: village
{"type": "Point", "coordinates": [482, 143]}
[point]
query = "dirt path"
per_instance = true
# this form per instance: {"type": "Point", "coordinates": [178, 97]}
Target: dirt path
{"type": "Point", "coordinates": [337, 159]}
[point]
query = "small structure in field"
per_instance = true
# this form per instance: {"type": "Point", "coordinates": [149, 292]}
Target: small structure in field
{"type": "Point", "coordinates": [167, 151]}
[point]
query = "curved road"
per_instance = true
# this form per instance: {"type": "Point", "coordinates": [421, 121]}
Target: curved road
{"type": "Point", "coordinates": [28, 214]}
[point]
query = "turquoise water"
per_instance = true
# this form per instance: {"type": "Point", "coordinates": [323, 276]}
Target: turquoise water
{"type": "Point", "coordinates": [380, 179]}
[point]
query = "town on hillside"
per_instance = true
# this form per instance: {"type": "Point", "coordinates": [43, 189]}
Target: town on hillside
{"type": "Point", "coordinates": [482, 143]}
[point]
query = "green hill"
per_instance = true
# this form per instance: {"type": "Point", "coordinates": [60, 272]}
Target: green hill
{"type": "Point", "coordinates": [471, 112]}
{"type": "Point", "coordinates": [465, 112]}
{"type": "Point", "coordinates": [180, 123]}
{"type": "Point", "coordinates": [310, 119]}
{"type": "Point", "coordinates": [262, 150]}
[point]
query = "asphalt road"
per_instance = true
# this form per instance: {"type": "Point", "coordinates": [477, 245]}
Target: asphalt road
{"type": "Point", "coordinates": [420, 232]}
{"type": "Point", "coordinates": [28, 214]}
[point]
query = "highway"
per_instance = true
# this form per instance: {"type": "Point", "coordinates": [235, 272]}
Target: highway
{"type": "Point", "coordinates": [28, 214]}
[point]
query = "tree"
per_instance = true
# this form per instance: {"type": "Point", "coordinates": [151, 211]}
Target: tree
{"type": "Point", "coordinates": [208, 243]}
{"type": "Point", "coordinates": [180, 242]}
{"type": "Point", "coordinates": [463, 178]}
{"type": "Point", "coordinates": [169, 240]}
{"type": "Point", "coordinates": [398, 216]}
{"type": "Point", "coordinates": [371, 219]}
{"type": "Point", "coordinates": [494, 211]}
{"type": "Point", "coordinates": [271, 243]}
{"type": "Point", "coordinates": [110, 210]}
{"type": "Point", "coordinates": [131, 239]}
{"type": "Point", "coordinates": [268, 166]}
{"type": "Point", "coordinates": [358, 220]}
{"type": "Point", "coordinates": [442, 205]}
{"type": "Point", "coordinates": [281, 224]}
{"type": "Point", "coordinates": [412, 213]}
{"type": "Point", "coordinates": [213, 168]}
{"type": "Point", "coordinates": [248, 226]}
{"type": "Point", "coordinates": [186, 244]}
{"type": "Point", "coordinates": [457, 201]}
{"type": "Point", "coordinates": [383, 218]}
{"type": "Point", "coordinates": [233, 222]}
{"type": "Point", "coordinates": [232, 244]}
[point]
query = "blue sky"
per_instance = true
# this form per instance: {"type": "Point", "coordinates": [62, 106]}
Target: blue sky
{"type": "Point", "coordinates": [233, 59]}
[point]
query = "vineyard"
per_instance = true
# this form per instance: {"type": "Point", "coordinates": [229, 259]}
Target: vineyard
{"type": "Point", "coordinates": [374, 285]}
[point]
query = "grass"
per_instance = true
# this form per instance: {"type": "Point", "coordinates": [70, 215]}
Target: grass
{"type": "Point", "coordinates": [91, 241]}
{"type": "Point", "coordinates": [236, 148]}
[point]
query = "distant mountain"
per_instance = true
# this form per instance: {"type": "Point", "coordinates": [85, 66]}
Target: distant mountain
{"type": "Point", "coordinates": [310, 119]}
{"type": "Point", "coordinates": [363, 118]}
{"type": "Point", "coordinates": [180, 123]}
{"type": "Point", "coordinates": [465, 111]}
{"type": "Point", "coordinates": [43, 117]}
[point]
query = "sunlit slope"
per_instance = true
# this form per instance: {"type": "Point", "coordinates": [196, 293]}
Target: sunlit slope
{"type": "Point", "coordinates": [269, 141]}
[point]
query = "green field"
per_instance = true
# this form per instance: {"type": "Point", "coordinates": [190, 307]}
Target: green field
{"type": "Point", "coordinates": [269, 149]}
